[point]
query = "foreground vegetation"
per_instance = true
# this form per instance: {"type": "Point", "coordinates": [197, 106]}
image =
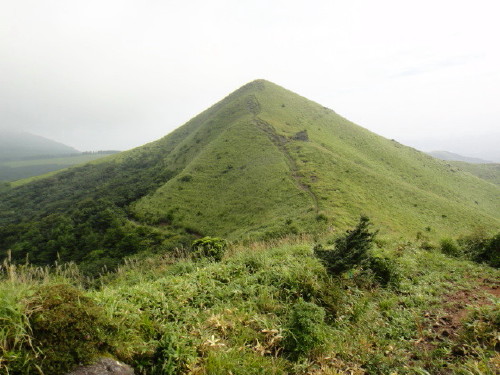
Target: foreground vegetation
{"type": "Point", "coordinates": [266, 308]}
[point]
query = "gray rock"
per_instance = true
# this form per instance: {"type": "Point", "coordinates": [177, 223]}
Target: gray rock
{"type": "Point", "coordinates": [104, 366]}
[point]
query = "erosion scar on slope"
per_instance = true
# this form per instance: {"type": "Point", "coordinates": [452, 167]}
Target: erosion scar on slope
{"type": "Point", "coordinates": [279, 141]}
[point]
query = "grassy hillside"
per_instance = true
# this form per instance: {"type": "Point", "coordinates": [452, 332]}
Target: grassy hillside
{"type": "Point", "coordinates": [263, 162]}
{"type": "Point", "coordinates": [264, 309]}
{"type": "Point", "coordinates": [13, 170]}
{"type": "Point", "coordinates": [336, 169]}
{"type": "Point", "coordinates": [489, 172]}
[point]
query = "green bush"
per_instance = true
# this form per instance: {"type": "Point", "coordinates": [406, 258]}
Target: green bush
{"type": "Point", "coordinates": [480, 248]}
{"type": "Point", "coordinates": [68, 328]}
{"type": "Point", "coordinates": [385, 270]}
{"type": "Point", "coordinates": [305, 329]}
{"type": "Point", "coordinates": [350, 250]}
{"type": "Point", "coordinates": [449, 247]}
{"type": "Point", "coordinates": [491, 253]}
{"type": "Point", "coordinates": [212, 248]}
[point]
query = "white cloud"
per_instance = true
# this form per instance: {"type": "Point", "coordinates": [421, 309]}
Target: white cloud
{"type": "Point", "coordinates": [116, 74]}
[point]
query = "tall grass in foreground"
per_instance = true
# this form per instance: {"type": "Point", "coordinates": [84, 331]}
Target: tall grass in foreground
{"type": "Point", "coordinates": [263, 309]}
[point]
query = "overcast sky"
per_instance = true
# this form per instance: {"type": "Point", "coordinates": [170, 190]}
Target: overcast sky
{"type": "Point", "coordinates": [114, 74]}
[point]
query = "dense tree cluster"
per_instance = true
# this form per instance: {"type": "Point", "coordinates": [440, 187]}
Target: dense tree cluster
{"type": "Point", "coordinates": [82, 214]}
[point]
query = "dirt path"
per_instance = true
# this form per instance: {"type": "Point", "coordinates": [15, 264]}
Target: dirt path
{"type": "Point", "coordinates": [280, 141]}
{"type": "Point", "coordinates": [445, 324]}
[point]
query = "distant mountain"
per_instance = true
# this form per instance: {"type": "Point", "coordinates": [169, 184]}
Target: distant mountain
{"type": "Point", "coordinates": [13, 170]}
{"type": "Point", "coordinates": [19, 145]}
{"type": "Point", "coordinates": [264, 162]}
{"type": "Point", "coordinates": [445, 155]}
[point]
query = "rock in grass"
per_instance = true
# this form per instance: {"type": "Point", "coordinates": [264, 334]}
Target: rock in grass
{"type": "Point", "coordinates": [104, 366]}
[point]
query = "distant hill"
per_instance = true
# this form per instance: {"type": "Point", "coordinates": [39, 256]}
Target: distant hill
{"type": "Point", "coordinates": [24, 155]}
{"type": "Point", "coordinates": [13, 170]}
{"type": "Point", "coordinates": [19, 145]}
{"type": "Point", "coordinates": [445, 155]}
{"type": "Point", "coordinates": [263, 162]}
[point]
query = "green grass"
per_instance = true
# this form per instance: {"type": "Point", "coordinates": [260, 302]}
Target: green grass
{"type": "Point", "coordinates": [238, 316]}
{"type": "Point", "coordinates": [489, 172]}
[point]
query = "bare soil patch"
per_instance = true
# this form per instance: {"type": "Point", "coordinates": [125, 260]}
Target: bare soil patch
{"type": "Point", "coordinates": [445, 324]}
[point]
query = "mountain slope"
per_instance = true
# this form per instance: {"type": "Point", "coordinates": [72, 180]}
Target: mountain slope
{"type": "Point", "coordinates": [333, 167]}
{"type": "Point", "coordinates": [262, 162]}
{"type": "Point", "coordinates": [489, 172]}
{"type": "Point", "coordinates": [18, 145]}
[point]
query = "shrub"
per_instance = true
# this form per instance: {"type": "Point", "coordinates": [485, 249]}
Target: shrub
{"type": "Point", "coordinates": [305, 329]}
{"type": "Point", "coordinates": [481, 248]}
{"type": "Point", "coordinates": [212, 248]}
{"type": "Point", "coordinates": [385, 270]}
{"type": "Point", "coordinates": [321, 217]}
{"type": "Point", "coordinates": [448, 247]}
{"type": "Point", "coordinates": [491, 253]}
{"type": "Point", "coordinates": [350, 249]}
{"type": "Point", "coordinates": [68, 328]}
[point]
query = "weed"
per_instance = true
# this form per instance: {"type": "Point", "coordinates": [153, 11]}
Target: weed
{"type": "Point", "coordinates": [305, 329]}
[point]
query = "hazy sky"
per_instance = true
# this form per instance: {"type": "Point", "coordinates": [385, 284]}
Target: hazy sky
{"type": "Point", "coordinates": [116, 74]}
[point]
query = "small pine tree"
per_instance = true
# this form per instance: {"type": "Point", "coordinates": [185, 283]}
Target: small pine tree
{"type": "Point", "coordinates": [350, 250]}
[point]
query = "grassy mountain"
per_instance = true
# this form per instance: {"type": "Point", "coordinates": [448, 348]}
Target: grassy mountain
{"type": "Point", "coordinates": [446, 155]}
{"type": "Point", "coordinates": [18, 145]}
{"type": "Point", "coordinates": [261, 163]}
{"type": "Point", "coordinates": [277, 156]}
